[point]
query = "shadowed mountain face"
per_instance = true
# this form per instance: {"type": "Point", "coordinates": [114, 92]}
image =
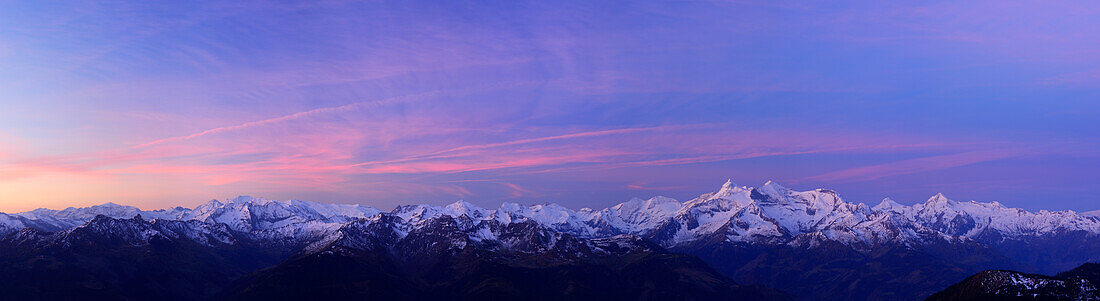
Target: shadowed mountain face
{"type": "Point", "coordinates": [134, 259]}
{"type": "Point", "coordinates": [809, 243]}
{"type": "Point", "coordinates": [530, 263]}
{"type": "Point", "coordinates": [128, 259]}
{"type": "Point", "coordinates": [835, 272]}
{"type": "Point", "coordinates": [479, 276]}
{"type": "Point", "coordinates": [1088, 271]}
{"type": "Point", "coordinates": [1076, 284]}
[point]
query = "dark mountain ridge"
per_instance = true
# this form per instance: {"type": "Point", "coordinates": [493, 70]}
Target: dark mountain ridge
{"type": "Point", "coordinates": [1076, 284]}
{"type": "Point", "coordinates": [528, 262]}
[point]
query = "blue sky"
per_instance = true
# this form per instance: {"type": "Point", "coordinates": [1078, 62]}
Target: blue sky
{"type": "Point", "coordinates": [585, 103]}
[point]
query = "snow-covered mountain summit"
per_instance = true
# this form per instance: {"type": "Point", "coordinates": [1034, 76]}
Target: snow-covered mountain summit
{"type": "Point", "coordinates": [775, 214]}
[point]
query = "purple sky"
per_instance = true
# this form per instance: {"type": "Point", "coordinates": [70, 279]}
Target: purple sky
{"type": "Point", "coordinates": [582, 103]}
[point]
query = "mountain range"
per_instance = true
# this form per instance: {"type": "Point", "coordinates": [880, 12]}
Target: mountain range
{"type": "Point", "coordinates": [766, 242]}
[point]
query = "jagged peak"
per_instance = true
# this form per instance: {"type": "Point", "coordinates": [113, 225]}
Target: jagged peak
{"type": "Point", "coordinates": [463, 204]}
{"type": "Point", "coordinates": [462, 207]}
{"type": "Point", "coordinates": [728, 197]}
{"type": "Point", "coordinates": [729, 186]}
{"type": "Point", "coordinates": [886, 204]}
{"type": "Point", "coordinates": [939, 199]}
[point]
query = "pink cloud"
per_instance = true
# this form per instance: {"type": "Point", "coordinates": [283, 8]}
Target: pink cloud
{"type": "Point", "coordinates": [466, 150]}
{"type": "Point", "coordinates": [643, 186]}
{"type": "Point", "coordinates": [917, 165]}
{"type": "Point", "coordinates": [298, 115]}
{"type": "Point", "coordinates": [277, 152]}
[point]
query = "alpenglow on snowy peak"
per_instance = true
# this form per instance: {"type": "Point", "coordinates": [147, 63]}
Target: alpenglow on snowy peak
{"type": "Point", "coordinates": [768, 215]}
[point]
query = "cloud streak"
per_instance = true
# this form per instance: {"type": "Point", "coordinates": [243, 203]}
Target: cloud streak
{"type": "Point", "coordinates": [914, 166]}
{"type": "Point", "coordinates": [290, 117]}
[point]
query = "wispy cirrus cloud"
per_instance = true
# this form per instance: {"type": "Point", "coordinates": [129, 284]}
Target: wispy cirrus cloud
{"type": "Point", "coordinates": [298, 115]}
{"type": "Point", "coordinates": [468, 150]}
{"type": "Point", "coordinates": [917, 165]}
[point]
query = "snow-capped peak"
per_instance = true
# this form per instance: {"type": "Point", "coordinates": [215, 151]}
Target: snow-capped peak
{"type": "Point", "coordinates": [728, 188]}
{"type": "Point", "coordinates": [551, 215]}
{"type": "Point", "coordinates": [636, 214]}
{"type": "Point", "coordinates": [461, 208]}
{"type": "Point", "coordinates": [728, 197]}
{"type": "Point", "coordinates": [770, 187]}
{"type": "Point", "coordinates": [659, 203]}
{"type": "Point", "coordinates": [939, 200]}
{"type": "Point", "coordinates": [887, 204]}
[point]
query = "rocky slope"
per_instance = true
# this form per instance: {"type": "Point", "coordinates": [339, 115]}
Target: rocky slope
{"type": "Point", "coordinates": [1076, 284]}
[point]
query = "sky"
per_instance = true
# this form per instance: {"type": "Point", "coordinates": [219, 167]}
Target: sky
{"type": "Point", "coordinates": [582, 103]}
